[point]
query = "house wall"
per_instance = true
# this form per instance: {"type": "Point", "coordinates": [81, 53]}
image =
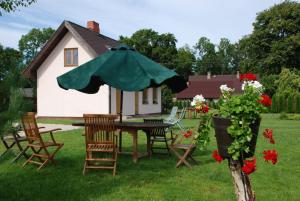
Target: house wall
{"type": "Point", "coordinates": [150, 107]}
{"type": "Point", "coordinates": [129, 103]}
{"type": "Point", "coordinates": [53, 101]}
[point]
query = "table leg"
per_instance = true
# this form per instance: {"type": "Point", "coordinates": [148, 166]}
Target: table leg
{"type": "Point", "coordinates": [120, 141]}
{"type": "Point", "coordinates": [148, 144]}
{"type": "Point", "coordinates": [135, 149]}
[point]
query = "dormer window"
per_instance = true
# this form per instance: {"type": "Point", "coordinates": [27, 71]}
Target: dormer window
{"type": "Point", "coordinates": [71, 57]}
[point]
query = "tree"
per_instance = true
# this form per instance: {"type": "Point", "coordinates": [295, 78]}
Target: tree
{"type": "Point", "coordinates": [10, 60]}
{"type": "Point", "coordinates": [288, 83]}
{"type": "Point", "coordinates": [159, 47]}
{"type": "Point", "coordinates": [12, 102]}
{"type": "Point", "coordinates": [31, 43]}
{"type": "Point", "coordinates": [229, 56]}
{"type": "Point", "coordinates": [207, 58]}
{"type": "Point", "coordinates": [275, 40]}
{"type": "Point", "coordinates": [185, 62]}
{"type": "Point", "coordinates": [12, 5]}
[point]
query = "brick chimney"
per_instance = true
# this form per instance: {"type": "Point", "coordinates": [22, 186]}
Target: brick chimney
{"type": "Point", "coordinates": [94, 26]}
{"type": "Point", "coordinates": [208, 75]}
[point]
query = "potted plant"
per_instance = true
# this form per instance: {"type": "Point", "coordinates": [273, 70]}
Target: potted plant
{"type": "Point", "coordinates": [236, 125]}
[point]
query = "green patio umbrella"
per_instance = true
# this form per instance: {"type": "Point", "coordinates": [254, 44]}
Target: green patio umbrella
{"type": "Point", "coordinates": [122, 68]}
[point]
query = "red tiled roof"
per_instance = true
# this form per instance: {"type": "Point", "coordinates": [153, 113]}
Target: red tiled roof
{"type": "Point", "coordinates": [209, 88]}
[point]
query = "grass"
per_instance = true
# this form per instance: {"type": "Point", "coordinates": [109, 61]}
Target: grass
{"type": "Point", "coordinates": [157, 178]}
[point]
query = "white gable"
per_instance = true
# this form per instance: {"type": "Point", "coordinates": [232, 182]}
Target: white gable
{"type": "Point", "coordinates": [54, 101]}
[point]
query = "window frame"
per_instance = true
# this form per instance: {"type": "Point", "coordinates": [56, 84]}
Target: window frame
{"type": "Point", "coordinates": [72, 57]}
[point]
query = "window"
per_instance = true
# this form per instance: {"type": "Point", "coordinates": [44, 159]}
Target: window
{"type": "Point", "coordinates": [145, 96]}
{"type": "Point", "coordinates": [71, 57]}
{"type": "Point", "coordinates": [154, 95]}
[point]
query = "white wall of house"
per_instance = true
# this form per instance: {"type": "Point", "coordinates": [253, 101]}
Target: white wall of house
{"type": "Point", "coordinates": [57, 102]}
{"type": "Point", "coordinates": [150, 107]}
{"type": "Point", "coordinates": [128, 102]}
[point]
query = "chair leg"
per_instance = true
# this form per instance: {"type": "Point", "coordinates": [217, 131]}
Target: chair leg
{"type": "Point", "coordinates": [84, 167]}
{"type": "Point", "coordinates": [22, 153]}
{"type": "Point", "coordinates": [167, 147]}
{"type": "Point", "coordinates": [43, 164]}
{"type": "Point", "coordinates": [183, 160]}
{"type": "Point", "coordinates": [115, 162]}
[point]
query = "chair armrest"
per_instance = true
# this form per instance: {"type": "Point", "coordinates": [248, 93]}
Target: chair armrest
{"type": "Point", "coordinates": [50, 131]}
{"type": "Point", "coordinates": [41, 127]}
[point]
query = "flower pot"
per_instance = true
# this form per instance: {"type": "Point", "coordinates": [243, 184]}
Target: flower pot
{"type": "Point", "coordinates": [224, 140]}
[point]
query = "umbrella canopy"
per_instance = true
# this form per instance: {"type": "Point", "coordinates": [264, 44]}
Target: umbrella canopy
{"type": "Point", "coordinates": [123, 68]}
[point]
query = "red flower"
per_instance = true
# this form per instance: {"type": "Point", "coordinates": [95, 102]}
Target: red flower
{"type": "Point", "coordinates": [205, 108]}
{"type": "Point", "coordinates": [248, 76]}
{"type": "Point", "coordinates": [249, 166]}
{"type": "Point", "coordinates": [268, 133]}
{"type": "Point", "coordinates": [188, 134]}
{"type": "Point", "coordinates": [270, 155]}
{"type": "Point", "coordinates": [265, 100]}
{"type": "Point", "coordinates": [216, 156]}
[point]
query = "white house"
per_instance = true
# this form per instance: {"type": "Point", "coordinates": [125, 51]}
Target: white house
{"type": "Point", "coordinates": [70, 46]}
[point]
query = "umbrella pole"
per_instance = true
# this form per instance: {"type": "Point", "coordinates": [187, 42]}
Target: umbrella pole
{"type": "Point", "coordinates": [121, 110]}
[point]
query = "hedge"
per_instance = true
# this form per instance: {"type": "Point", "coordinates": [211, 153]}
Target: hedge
{"type": "Point", "coordinates": [289, 104]}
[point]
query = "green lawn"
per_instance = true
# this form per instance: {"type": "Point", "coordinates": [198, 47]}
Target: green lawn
{"type": "Point", "coordinates": [156, 178]}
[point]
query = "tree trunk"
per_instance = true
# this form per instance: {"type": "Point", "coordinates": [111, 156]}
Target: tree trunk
{"type": "Point", "coordinates": [241, 182]}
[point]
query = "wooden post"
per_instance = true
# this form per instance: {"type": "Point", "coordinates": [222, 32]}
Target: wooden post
{"type": "Point", "coordinates": [121, 110]}
{"type": "Point", "coordinates": [241, 182]}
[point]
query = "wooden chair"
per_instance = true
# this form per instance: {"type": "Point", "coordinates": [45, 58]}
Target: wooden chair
{"type": "Point", "coordinates": [158, 135]}
{"type": "Point", "coordinates": [100, 138]}
{"type": "Point", "coordinates": [9, 141]}
{"type": "Point", "coordinates": [182, 150]}
{"type": "Point", "coordinates": [39, 147]}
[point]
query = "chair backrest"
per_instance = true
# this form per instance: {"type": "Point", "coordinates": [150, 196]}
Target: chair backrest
{"type": "Point", "coordinates": [99, 128]}
{"type": "Point", "coordinates": [30, 128]}
{"type": "Point", "coordinates": [173, 113]}
{"type": "Point", "coordinates": [182, 114]}
{"type": "Point", "coordinates": [159, 132]}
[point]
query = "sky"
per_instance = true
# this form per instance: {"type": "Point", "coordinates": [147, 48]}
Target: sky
{"type": "Point", "coordinates": [188, 20]}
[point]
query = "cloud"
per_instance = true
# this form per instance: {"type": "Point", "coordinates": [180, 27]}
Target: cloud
{"type": "Point", "coordinates": [188, 20]}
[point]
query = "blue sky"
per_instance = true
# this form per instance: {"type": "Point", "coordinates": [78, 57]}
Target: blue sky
{"type": "Point", "coordinates": [188, 20]}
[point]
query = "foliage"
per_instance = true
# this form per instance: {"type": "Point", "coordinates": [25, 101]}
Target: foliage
{"type": "Point", "coordinates": [242, 110]}
{"type": "Point", "coordinates": [269, 83]}
{"type": "Point", "coordinates": [288, 82]}
{"type": "Point", "coordinates": [223, 58]}
{"type": "Point", "coordinates": [12, 5]}
{"type": "Point", "coordinates": [184, 62]}
{"type": "Point", "coordinates": [10, 60]}
{"type": "Point", "coordinates": [167, 99]}
{"type": "Point", "coordinates": [32, 42]}
{"type": "Point", "coordinates": [285, 116]}
{"type": "Point", "coordinates": [17, 106]}
{"type": "Point", "coordinates": [274, 42]}
{"type": "Point", "coordinates": [207, 57]}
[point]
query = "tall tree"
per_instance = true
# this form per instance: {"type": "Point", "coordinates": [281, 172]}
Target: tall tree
{"type": "Point", "coordinates": [12, 5]}
{"type": "Point", "coordinates": [11, 98]}
{"type": "Point", "coordinates": [207, 57]}
{"type": "Point", "coordinates": [31, 43]}
{"type": "Point", "coordinates": [159, 47]}
{"type": "Point", "coordinates": [275, 40]}
{"type": "Point", "coordinates": [228, 56]}
{"type": "Point", "coordinates": [185, 62]}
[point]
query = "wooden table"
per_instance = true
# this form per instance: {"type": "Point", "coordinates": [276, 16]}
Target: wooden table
{"type": "Point", "coordinates": [133, 128]}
